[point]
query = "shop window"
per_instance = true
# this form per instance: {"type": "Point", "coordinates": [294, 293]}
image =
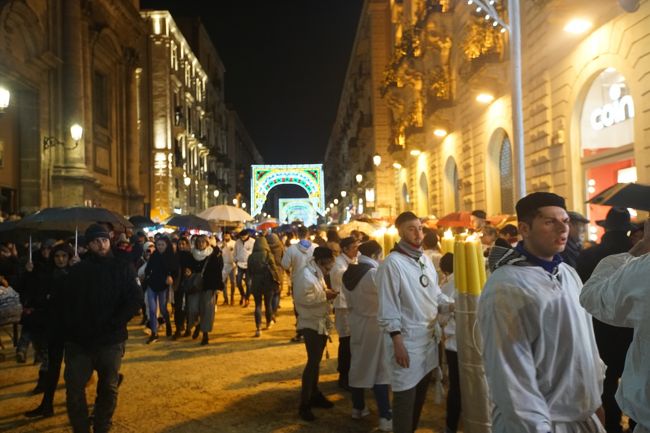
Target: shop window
{"type": "Point", "coordinates": [607, 119]}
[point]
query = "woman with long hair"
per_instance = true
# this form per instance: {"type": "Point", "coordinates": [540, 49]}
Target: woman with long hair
{"type": "Point", "coordinates": [265, 277]}
{"type": "Point", "coordinates": [161, 272]}
{"type": "Point", "coordinates": [60, 260]}
{"type": "Point", "coordinates": [207, 262]}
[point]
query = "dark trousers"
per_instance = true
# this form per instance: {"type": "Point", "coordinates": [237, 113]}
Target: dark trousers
{"type": "Point", "coordinates": [381, 397]}
{"type": "Point", "coordinates": [180, 308]}
{"type": "Point", "coordinates": [344, 359]}
{"type": "Point", "coordinates": [266, 296]}
{"type": "Point", "coordinates": [315, 345]}
{"type": "Point", "coordinates": [55, 357]}
{"type": "Point", "coordinates": [242, 278]}
{"type": "Point", "coordinates": [79, 365]}
{"type": "Point", "coordinates": [612, 410]}
{"type": "Point", "coordinates": [453, 394]}
{"type": "Point", "coordinates": [407, 406]}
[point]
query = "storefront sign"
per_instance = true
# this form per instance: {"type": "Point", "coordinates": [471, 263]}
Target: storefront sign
{"type": "Point", "coordinates": [620, 109]}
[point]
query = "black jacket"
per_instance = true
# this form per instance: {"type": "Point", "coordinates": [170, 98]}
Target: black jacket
{"type": "Point", "coordinates": [101, 295]}
{"type": "Point", "coordinates": [212, 279]}
{"type": "Point", "coordinates": [571, 253]}
{"type": "Point", "coordinates": [159, 267]}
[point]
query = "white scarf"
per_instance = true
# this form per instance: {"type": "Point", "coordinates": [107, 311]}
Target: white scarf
{"type": "Point", "coordinates": [200, 255]}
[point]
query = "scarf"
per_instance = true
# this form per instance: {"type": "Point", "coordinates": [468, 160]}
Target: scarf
{"type": "Point", "coordinates": [200, 255]}
{"type": "Point", "coordinates": [549, 266]}
{"type": "Point", "coordinates": [408, 249]}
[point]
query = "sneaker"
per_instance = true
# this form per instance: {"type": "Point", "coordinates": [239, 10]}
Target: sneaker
{"type": "Point", "coordinates": [385, 424]}
{"type": "Point", "coordinates": [257, 333]}
{"type": "Point", "coordinates": [152, 338]}
{"type": "Point", "coordinates": [360, 413]}
{"type": "Point", "coordinates": [319, 400]}
{"type": "Point", "coordinates": [306, 414]}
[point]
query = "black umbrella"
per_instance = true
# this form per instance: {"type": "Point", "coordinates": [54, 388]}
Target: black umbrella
{"type": "Point", "coordinates": [141, 221]}
{"type": "Point", "coordinates": [189, 222]}
{"type": "Point", "coordinates": [72, 219]}
{"type": "Point", "coordinates": [628, 195]}
{"type": "Point", "coordinates": [10, 232]}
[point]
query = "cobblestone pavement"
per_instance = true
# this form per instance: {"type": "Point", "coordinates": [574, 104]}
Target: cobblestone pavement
{"type": "Point", "coordinates": [237, 383]}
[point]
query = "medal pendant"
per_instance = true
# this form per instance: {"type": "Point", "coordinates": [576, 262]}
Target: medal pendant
{"type": "Point", "coordinates": [424, 280]}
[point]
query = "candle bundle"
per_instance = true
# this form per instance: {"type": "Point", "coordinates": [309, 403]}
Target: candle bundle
{"type": "Point", "coordinates": [386, 237]}
{"type": "Point", "coordinates": [447, 242]}
{"type": "Point", "coordinates": [469, 265]}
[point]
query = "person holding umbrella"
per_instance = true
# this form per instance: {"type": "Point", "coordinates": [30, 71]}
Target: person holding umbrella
{"type": "Point", "coordinates": [99, 299]}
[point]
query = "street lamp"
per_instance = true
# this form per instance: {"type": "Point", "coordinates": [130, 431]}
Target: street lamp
{"type": "Point", "coordinates": [439, 132]}
{"type": "Point", "coordinates": [76, 132]}
{"type": "Point", "coordinates": [215, 193]}
{"type": "Point", "coordinates": [234, 202]}
{"type": "Point", "coordinates": [344, 193]}
{"type": "Point", "coordinates": [397, 165]}
{"type": "Point", "coordinates": [5, 97]}
{"type": "Point", "coordinates": [187, 181]}
{"type": "Point", "coordinates": [359, 177]}
{"type": "Point", "coordinates": [243, 205]}
{"type": "Point", "coordinates": [376, 159]}
{"type": "Point", "coordinates": [336, 201]}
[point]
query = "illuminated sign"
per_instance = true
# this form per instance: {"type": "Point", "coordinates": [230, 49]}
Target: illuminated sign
{"type": "Point", "coordinates": [619, 110]}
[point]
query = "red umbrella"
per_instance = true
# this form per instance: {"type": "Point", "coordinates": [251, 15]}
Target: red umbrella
{"type": "Point", "coordinates": [455, 219]}
{"type": "Point", "coordinates": [265, 225]}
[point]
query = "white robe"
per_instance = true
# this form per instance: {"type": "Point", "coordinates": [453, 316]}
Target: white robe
{"type": "Point", "coordinates": [407, 306]}
{"type": "Point", "coordinates": [618, 293]}
{"type": "Point", "coordinates": [539, 350]}
{"type": "Point", "coordinates": [369, 365]}
{"type": "Point", "coordinates": [341, 313]}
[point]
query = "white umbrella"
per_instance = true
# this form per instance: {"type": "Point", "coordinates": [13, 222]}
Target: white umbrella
{"type": "Point", "coordinates": [362, 226]}
{"type": "Point", "coordinates": [224, 212]}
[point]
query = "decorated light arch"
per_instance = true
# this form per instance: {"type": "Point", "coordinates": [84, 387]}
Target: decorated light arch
{"type": "Point", "coordinates": [307, 176]}
{"type": "Point", "coordinates": [301, 209]}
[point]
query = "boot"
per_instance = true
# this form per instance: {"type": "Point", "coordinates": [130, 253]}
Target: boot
{"type": "Point", "coordinates": [178, 334]}
{"type": "Point", "coordinates": [319, 400]}
{"type": "Point", "coordinates": [195, 334]}
{"type": "Point", "coordinates": [204, 340]}
{"type": "Point", "coordinates": [40, 385]}
{"type": "Point", "coordinates": [168, 329]}
{"type": "Point", "coordinates": [305, 413]}
{"type": "Point", "coordinates": [43, 410]}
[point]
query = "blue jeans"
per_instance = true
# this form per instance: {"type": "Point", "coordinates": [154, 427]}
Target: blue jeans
{"type": "Point", "coordinates": [79, 365]}
{"type": "Point", "coordinates": [267, 296]}
{"type": "Point", "coordinates": [155, 300]}
{"type": "Point", "coordinates": [381, 397]}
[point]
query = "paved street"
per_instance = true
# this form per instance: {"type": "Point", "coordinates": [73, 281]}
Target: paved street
{"type": "Point", "coordinates": [236, 384]}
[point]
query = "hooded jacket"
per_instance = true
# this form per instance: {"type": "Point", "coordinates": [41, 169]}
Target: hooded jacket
{"type": "Point", "coordinates": [297, 256]}
{"type": "Point", "coordinates": [262, 268]}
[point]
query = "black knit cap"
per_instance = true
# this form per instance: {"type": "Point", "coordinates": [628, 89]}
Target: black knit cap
{"type": "Point", "coordinates": [405, 217]}
{"type": "Point", "coordinates": [528, 205]}
{"type": "Point", "coordinates": [95, 231]}
{"type": "Point", "coordinates": [323, 253]}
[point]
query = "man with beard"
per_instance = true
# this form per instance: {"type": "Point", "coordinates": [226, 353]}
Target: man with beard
{"type": "Point", "coordinates": [539, 350]}
{"type": "Point", "coordinates": [101, 296]}
{"type": "Point", "coordinates": [409, 301]}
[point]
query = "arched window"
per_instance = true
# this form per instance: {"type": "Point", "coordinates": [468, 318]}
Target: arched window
{"type": "Point", "coordinates": [452, 193]}
{"type": "Point", "coordinates": [506, 177]}
{"type": "Point", "coordinates": [423, 199]}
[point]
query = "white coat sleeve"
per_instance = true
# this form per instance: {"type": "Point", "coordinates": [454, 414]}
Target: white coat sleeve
{"type": "Point", "coordinates": [389, 314]}
{"type": "Point", "coordinates": [308, 292]}
{"type": "Point", "coordinates": [507, 321]}
{"type": "Point", "coordinates": [617, 292]}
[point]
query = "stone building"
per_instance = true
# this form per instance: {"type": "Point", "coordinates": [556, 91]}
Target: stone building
{"type": "Point", "coordinates": [70, 63]}
{"type": "Point", "coordinates": [448, 86]}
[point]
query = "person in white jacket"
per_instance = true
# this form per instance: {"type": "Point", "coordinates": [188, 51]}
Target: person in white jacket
{"type": "Point", "coordinates": [409, 301]}
{"type": "Point", "coordinates": [311, 298]}
{"type": "Point", "coordinates": [539, 350]}
{"type": "Point", "coordinates": [243, 250]}
{"type": "Point", "coordinates": [618, 293]}
{"type": "Point", "coordinates": [229, 269]}
{"type": "Point", "coordinates": [369, 366]}
{"type": "Point", "coordinates": [348, 256]}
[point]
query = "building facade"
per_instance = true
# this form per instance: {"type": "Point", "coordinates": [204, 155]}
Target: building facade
{"type": "Point", "coordinates": [448, 84]}
{"type": "Point", "coordinates": [71, 63]}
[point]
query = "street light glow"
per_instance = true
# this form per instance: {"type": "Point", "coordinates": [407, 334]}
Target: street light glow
{"type": "Point", "coordinates": [397, 165]}
{"type": "Point", "coordinates": [577, 26]}
{"type": "Point", "coordinates": [439, 132]}
{"type": "Point", "coordinates": [344, 193]}
{"type": "Point", "coordinates": [485, 98]}
{"type": "Point", "coordinates": [415, 152]}
{"type": "Point", "coordinates": [336, 201]}
{"type": "Point", "coordinates": [376, 159]}
{"type": "Point", "coordinates": [359, 177]}
{"type": "Point", "coordinates": [76, 131]}
{"type": "Point", "coordinates": [216, 193]}
{"type": "Point", "coordinates": [187, 181]}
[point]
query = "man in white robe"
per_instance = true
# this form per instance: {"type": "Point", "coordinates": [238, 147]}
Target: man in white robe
{"type": "Point", "coordinates": [409, 298]}
{"type": "Point", "coordinates": [618, 293]}
{"type": "Point", "coordinates": [539, 350]}
{"type": "Point", "coordinates": [348, 256]}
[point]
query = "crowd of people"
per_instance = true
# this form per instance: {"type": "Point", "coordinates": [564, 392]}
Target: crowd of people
{"type": "Point", "coordinates": [549, 369]}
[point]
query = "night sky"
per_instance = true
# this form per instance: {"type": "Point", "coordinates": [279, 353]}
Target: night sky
{"type": "Point", "coordinates": [285, 65]}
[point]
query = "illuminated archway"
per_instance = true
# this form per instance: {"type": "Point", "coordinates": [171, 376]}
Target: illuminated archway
{"type": "Point", "coordinates": [307, 176]}
{"type": "Point", "coordinates": [292, 209]}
